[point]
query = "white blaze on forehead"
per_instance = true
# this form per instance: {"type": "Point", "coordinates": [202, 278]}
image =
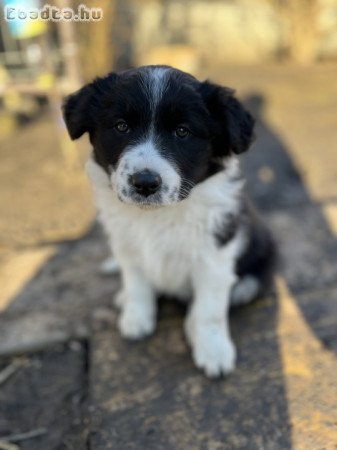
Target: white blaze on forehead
{"type": "Point", "coordinates": [155, 83]}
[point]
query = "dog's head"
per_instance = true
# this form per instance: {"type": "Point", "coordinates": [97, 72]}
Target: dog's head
{"type": "Point", "coordinates": [156, 131]}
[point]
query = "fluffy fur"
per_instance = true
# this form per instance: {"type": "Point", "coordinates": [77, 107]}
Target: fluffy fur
{"type": "Point", "coordinates": [169, 194]}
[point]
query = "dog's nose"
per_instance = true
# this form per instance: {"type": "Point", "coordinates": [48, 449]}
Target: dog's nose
{"type": "Point", "coordinates": [146, 182]}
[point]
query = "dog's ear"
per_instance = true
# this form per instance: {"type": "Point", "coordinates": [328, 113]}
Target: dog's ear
{"type": "Point", "coordinates": [80, 109]}
{"type": "Point", "coordinates": [231, 125]}
{"type": "Point", "coordinates": [76, 111]}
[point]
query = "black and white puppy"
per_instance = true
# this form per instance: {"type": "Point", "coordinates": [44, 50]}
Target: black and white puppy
{"type": "Point", "coordinates": [169, 194]}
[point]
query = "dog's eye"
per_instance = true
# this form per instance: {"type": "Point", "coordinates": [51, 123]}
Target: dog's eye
{"type": "Point", "coordinates": [182, 132]}
{"type": "Point", "coordinates": [122, 127]}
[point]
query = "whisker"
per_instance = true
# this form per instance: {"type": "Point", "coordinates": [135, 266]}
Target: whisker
{"type": "Point", "coordinates": [188, 182]}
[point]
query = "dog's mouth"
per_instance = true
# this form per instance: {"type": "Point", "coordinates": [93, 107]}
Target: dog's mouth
{"type": "Point", "coordinates": [151, 201]}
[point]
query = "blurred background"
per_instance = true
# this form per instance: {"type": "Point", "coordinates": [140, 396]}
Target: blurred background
{"type": "Point", "coordinates": [270, 47]}
{"type": "Point", "coordinates": [283, 49]}
{"type": "Point", "coordinates": [55, 306]}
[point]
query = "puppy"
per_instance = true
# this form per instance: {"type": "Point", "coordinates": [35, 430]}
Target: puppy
{"type": "Point", "coordinates": [169, 193]}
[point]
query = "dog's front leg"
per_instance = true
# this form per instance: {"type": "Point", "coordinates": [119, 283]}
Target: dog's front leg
{"type": "Point", "coordinates": [206, 325]}
{"type": "Point", "coordinates": [138, 309]}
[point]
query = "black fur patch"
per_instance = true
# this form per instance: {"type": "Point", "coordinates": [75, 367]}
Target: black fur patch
{"type": "Point", "coordinates": [213, 168]}
{"type": "Point", "coordinates": [260, 256]}
{"type": "Point", "coordinates": [232, 126]}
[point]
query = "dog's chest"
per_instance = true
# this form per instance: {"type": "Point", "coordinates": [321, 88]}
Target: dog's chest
{"type": "Point", "coordinates": [169, 245]}
{"type": "Point", "coordinates": [166, 244]}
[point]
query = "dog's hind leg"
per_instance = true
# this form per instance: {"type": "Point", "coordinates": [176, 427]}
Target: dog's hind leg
{"type": "Point", "coordinates": [245, 290]}
{"type": "Point", "coordinates": [255, 266]}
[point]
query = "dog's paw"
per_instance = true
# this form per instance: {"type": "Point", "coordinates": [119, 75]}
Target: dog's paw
{"type": "Point", "coordinates": [212, 350]}
{"type": "Point", "coordinates": [136, 324]}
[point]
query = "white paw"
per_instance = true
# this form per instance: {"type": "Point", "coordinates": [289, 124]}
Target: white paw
{"type": "Point", "coordinates": [136, 323]}
{"type": "Point", "coordinates": [212, 350]}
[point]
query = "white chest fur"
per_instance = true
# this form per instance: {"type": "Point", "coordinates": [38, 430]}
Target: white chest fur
{"type": "Point", "coordinates": [172, 250]}
{"type": "Point", "coordinates": [168, 243]}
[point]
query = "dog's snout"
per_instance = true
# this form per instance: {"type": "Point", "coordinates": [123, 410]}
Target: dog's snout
{"type": "Point", "coordinates": [145, 182]}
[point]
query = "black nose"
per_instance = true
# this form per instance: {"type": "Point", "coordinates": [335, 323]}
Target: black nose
{"type": "Point", "coordinates": [145, 182]}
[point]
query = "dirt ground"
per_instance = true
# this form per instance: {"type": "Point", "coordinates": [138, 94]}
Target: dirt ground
{"type": "Point", "coordinates": [68, 381]}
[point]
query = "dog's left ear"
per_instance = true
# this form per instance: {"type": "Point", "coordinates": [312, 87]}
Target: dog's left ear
{"type": "Point", "coordinates": [80, 109]}
{"type": "Point", "coordinates": [77, 112]}
{"type": "Point", "coordinates": [231, 125]}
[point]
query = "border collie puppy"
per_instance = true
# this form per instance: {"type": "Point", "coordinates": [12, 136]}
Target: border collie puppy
{"type": "Point", "coordinates": [169, 194]}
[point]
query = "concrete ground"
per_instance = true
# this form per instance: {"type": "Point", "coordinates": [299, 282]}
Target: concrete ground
{"type": "Point", "coordinates": [68, 381]}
